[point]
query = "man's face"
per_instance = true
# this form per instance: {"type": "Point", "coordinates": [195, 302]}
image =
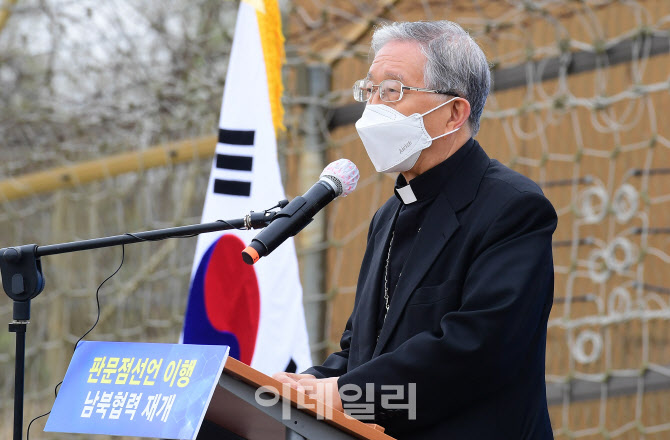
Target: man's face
{"type": "Point", "coordinates": [403, 60]}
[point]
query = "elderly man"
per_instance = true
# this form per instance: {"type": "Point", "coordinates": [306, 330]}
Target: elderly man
{"type": "Point", "coordinates": [448, 332]}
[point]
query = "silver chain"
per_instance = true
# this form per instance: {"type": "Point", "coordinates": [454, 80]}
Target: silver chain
{"type": "Point", "coordinates": [386, 277]}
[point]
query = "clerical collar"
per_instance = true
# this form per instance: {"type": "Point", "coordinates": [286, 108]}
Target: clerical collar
{"type": "Point", "coordinates": [427, 185]}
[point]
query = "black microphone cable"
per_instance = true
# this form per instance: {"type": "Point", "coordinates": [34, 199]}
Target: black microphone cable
{"type": "Point", "coordinates": [97, 319]}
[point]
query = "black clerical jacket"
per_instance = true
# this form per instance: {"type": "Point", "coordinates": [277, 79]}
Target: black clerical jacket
{"type": "Point", "coordinates": [468, 318]}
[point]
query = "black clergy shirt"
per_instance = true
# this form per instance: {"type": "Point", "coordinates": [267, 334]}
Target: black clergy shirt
{"type": "Point", "coordinates": [410, 216]}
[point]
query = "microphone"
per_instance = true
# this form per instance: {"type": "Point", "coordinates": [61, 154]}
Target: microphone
{"type": "Point", "coordinates": [338, 179]}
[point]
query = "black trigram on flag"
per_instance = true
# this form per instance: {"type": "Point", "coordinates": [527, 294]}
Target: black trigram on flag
{"type": "Point", "coordinates": [234, 162]}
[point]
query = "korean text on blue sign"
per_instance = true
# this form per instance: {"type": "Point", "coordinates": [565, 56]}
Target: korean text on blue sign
{"type": "Point", "coordinates": [137, 389]}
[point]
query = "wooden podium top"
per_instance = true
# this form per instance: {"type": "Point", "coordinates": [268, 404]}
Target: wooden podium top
{"type": "Point", "coordinates": [241, 417]}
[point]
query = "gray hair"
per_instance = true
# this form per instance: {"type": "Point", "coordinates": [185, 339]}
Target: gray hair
{"type": "Point", "coordinates": [453, 60]}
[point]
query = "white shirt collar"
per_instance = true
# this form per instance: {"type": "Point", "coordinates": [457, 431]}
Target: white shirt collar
{"type": "Point", "coordinates": [406, 194]}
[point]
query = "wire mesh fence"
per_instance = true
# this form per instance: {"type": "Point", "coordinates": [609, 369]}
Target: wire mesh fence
{"type": "Point", "coordinates": [580, 93]}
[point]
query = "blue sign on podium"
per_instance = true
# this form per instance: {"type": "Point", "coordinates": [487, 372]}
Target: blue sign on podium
{"type": "Point", "coordinates": [137, 389]}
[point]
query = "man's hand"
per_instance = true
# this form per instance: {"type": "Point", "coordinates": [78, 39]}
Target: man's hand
{"type": "Point", "coordinates": [292, 379]}
{"type": "Point", "coordinates": [323, 390]}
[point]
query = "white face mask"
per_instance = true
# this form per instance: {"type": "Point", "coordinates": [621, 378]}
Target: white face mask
{"type": "Point", "coordinates": [394, 141]}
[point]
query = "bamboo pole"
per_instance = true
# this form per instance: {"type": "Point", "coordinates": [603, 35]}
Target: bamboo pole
{"type": "Point", "coordinates": [5, 12]}
{"type": "Point", "coordinates": [85, 172]}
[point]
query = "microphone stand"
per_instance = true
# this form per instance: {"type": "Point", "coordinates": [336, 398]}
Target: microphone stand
{"type": "Point", "coordinates": [23, 280]}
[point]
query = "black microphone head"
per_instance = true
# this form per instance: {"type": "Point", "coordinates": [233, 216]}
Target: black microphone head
{"type": "Point", "coordinates": [342, 175]}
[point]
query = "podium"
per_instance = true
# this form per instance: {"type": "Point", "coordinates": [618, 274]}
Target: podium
{"type": "Point", "coordinates": [240, 408]}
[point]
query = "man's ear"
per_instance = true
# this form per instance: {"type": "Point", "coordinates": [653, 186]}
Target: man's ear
{"type": "Point", "coordinates": [460, 112]}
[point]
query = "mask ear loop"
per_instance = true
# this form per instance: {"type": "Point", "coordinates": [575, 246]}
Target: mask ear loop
{"type": "Point", "coordinates": [443, 104]}
{"type": "Point", "coordinates": [447, 133]}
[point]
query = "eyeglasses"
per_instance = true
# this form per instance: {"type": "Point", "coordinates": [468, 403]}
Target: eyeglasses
{"type": "Point", "coordinates": [390, 90]}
